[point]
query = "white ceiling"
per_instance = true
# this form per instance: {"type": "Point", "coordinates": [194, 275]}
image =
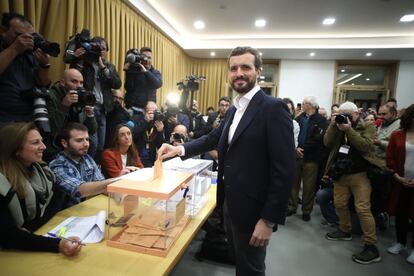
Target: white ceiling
{"type": "Point", "coordinates": [294, 27]}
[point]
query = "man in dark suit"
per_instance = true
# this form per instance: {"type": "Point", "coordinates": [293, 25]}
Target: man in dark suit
{"type": "Point", "coordinates": [256, 162]}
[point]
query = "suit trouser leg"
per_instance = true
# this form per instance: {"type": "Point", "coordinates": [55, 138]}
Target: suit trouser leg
{"type": "Point", "coordinates": [294, 193]}
{"type": "Point", "coordinates": [309, 175]}
{"type": "Point", "coordinates": [250, 260]}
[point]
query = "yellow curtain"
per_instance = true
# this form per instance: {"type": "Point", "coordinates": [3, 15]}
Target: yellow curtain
{"type": "Point", "coordinates": [124, 28]}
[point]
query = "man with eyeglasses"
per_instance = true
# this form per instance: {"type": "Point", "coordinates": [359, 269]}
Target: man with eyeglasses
{"type": "Point", "coordinates": [141, 79]}
{"type": "Point", "coordinates": [118, 115]}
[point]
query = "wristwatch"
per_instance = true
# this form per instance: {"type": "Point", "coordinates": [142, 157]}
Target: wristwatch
{"type": "Point", "coordinates": [269, 224]}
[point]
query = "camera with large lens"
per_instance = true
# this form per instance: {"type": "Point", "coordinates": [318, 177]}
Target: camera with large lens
{"type": "Point", "coordinates": [134, 57]}
{"type": "Point", "coordinates": [339, 168]}
{"type": "Point", "coordinates": [343, 118]}
{"type": "Point", "coordinates": [178, 138]}
{"type": "Point", "coordinates": [159, 116]}
{"type": "Point", "coordinates": [85, 98]}
{"type": "Point", "coordinates": [50, 48]}
{"type": "Point", "coordinates": [82, 40]}
{"type": "Point", "coordinates": [38, 97]}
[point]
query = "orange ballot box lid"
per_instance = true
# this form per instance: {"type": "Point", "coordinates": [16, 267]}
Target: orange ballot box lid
{"type": "Point", "coordinates": [151, 182]}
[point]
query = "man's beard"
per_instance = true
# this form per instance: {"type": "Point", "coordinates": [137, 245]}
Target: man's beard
{"type": "Point", "coordinates": [244, 89]}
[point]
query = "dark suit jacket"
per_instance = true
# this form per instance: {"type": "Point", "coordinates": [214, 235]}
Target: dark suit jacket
{"type": "Point", "coordinates": [257, 168]}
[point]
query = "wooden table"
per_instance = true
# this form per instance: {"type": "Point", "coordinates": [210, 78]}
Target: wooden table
{"type": "Point", "coordinates": [99, 259]}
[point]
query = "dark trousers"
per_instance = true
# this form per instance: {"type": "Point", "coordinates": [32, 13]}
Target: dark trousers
{"type": "Point", "coordinates": [250, 260]}
{"type": "Point", "coordinates": [402, 215]}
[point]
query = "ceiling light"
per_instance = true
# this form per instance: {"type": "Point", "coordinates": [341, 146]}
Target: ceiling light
{"type": "Point", "coordinates": [407, 18]}
{"type": "Point", "coordinates": [213, 54]}
{"type": "Point", "coordinates": [260, 23]}
{"type": "Point", "coordinates": [352, 83]}
{"type": "Point", "coordinates": [342, 70]}
{"type": "Point", "coordinates": [367, 79]}
{"type": "Point", "coordinates": [368, 54]}
{"type": "Point", "coordinates": [260, 54]}
{"type": "Point", "coordinates": [312, 54]}
{"type": "Point", "coordinates": [349, 79]}
{"type": "Point", "coordinates": [199, 25]}
{"type": "Point", "coordinates": [328, 21]}
{"type": "Point", "coordinates": [262, 77]}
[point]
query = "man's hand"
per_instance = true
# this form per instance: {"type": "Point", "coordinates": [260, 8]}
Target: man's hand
{"type": "Point", "coordinates": [23, 43]}
{"type": "Point", "coordinates": [79, 52]}
{"type": "Point", "coordinates": [343, 127]}
{"type": "Point", "coordinates": [377, 142]}
{"type": "Point", "coordinates": [191, 134]}
{"type": "Point", "coordinates": [69, 248]}
{"type": "Point", "coordinates": [143, 69]}
{"type": "Point", "coordinates": [299, 152]}
{"type": "Point", "coordinates": [159, 125]}
{"type": "Point", "coordinates": [100, 63]}
{"type": "Point", "coordinates": [173, 120]}
{"type": "Point", "coordinates": [41, 56]}
{"type": "Point", "coordinates": [70, 98]}
{"type": "Point", "coordinates": [167, 151]}
{"type": "Point", "coordinates": [89, 111]}
{"type": "Point", "coordinates": [261, 234]}
{"type": "Point", "coordinates": [404, 180]}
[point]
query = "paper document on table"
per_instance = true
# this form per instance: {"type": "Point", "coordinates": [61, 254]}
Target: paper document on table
{"type": "Point", "coordinates": [88, 229]}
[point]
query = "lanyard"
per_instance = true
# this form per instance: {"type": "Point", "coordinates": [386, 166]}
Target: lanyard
{"type": "Point", "coordinates": [148, 134]}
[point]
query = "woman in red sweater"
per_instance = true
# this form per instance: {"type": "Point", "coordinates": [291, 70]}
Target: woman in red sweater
{"type": "Point", "coordinates": [123, 157]}
{"type": "Point", "coordinates": [400, 158]}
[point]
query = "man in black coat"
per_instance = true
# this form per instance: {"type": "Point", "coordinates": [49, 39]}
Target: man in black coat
{"type": "Point", "coordinates": [256, 162]}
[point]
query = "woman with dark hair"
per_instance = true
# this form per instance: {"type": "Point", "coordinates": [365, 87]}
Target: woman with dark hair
{"type": "Point", "coordinates": [123, 157]}
{"type": "Point", "coordinates": [27, 195]}
{"type": "Point", "coordinates": [400, 159]}
{"type": "Point", "coordinates": [296, 128]}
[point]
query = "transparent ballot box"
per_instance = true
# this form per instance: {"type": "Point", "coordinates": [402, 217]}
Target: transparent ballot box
{"type": "Point", "coordinates": [197, 194]}
{"type": "Point", "coordinates": [146, 211]}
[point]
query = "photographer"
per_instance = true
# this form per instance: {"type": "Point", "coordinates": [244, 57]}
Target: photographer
{"type": "Point", "coordinates": [148, 133]}
{"type": "Point", "coordinates": [174, 117]}
{"type": "Point", "coordinates": [66, 105]}
{"type": "Point", "coordinates": [179, 135]}
{"type": "Point", "coordinates": [100, 77]}
{"type": "Point", "coordinates": [141, 79]}
{"type": "Point", "coordinates": [21, 69]}
{"type": "Point", "coordinates": [197, 124]}
{"type": "Point", "coordinates": [350, 141]}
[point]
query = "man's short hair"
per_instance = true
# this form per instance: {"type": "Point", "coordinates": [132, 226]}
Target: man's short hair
{"type": "Point", "coordinates": [145, 49]}
{"type": "Point", "coordinates": [238, 51]}
{"type": "Point", "coordinates": [349, 106]}
{"type": "Point", "coordinates": [391, 109]}
{"type": "Point", "coordinates": [312, 101]}
{"type": "Point", "coordinates": [7, 17]}
{"type": "Point", "coordinates": [224, 98]}
{"type": "Point", "coordinates": [65, 133]}
{"type": "Point", "coordinates": [99, 40]}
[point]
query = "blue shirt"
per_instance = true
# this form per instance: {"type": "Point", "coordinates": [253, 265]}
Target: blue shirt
{"type": "Point", "coordinates": [70, 174]}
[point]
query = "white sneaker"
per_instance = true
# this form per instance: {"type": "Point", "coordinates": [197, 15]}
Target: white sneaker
{"type": "Point", "coordinates": [410, 258]}
{"type": "Point", "coordinates": [396, 248]}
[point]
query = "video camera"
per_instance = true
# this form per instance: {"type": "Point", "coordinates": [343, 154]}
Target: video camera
{"type": "Point", "coordinates": [82, 40]}
{"type": "Point", "coordinates": [50, 48]}
{"type": "Point", "coordinates": [190, 83]}
{"type": "Point", "coordinates": [85, 98]}
{"type": "Point", "coordinates": [134, 56]}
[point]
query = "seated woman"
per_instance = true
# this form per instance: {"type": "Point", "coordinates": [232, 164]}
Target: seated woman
{"type": "Point", "coordinates": [123, 157]}
{"type": "Point", "coordinates": [27, 195]}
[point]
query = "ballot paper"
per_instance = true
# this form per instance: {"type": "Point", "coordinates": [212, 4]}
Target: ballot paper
{"type": "Point", "coordinates": [88, 229]}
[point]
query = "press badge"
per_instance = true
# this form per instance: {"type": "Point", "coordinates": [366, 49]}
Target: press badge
{"type": "Point", "coordinates": [344, 149]}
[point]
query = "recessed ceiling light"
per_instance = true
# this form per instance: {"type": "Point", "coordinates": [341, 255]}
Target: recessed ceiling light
{"type": "Point", "coordinates": [367, 79]}
{"type": "Point", "coordinates": [312, 54]}
{"type": "Point", "coordinates": [262, 77]}
{"type": "Point", "coordinates": [213, 54]}
{"type": "Point", "coordinates": [328, 21]}
{"type": "Point", "coordinates": [199, 25]}
{"type": "Point", "coordinates": [343, 70]}
{"type": "Point", "coordinates": [368, 54]}
{"type": "Point", "coordinates": [352, 83]}
{"type": "Point", "coordinates": [407, 18]}
{"type": "Point", "coordinates": [260, 53]}
{"type": "Point", "coordinates": [260, 23]}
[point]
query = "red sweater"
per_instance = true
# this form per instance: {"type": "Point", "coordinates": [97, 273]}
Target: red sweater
{"type": "Point", "coordinates": [395, 157]}
{"type": "Point", "coordinates": [111, 163]}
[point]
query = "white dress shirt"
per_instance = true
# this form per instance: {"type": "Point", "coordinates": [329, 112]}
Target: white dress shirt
{"type": "Point", "coordinates": [240, 103]}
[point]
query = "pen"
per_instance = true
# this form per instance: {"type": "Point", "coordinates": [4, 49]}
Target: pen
{"type": "Point", "coordinates": [66, 239]}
